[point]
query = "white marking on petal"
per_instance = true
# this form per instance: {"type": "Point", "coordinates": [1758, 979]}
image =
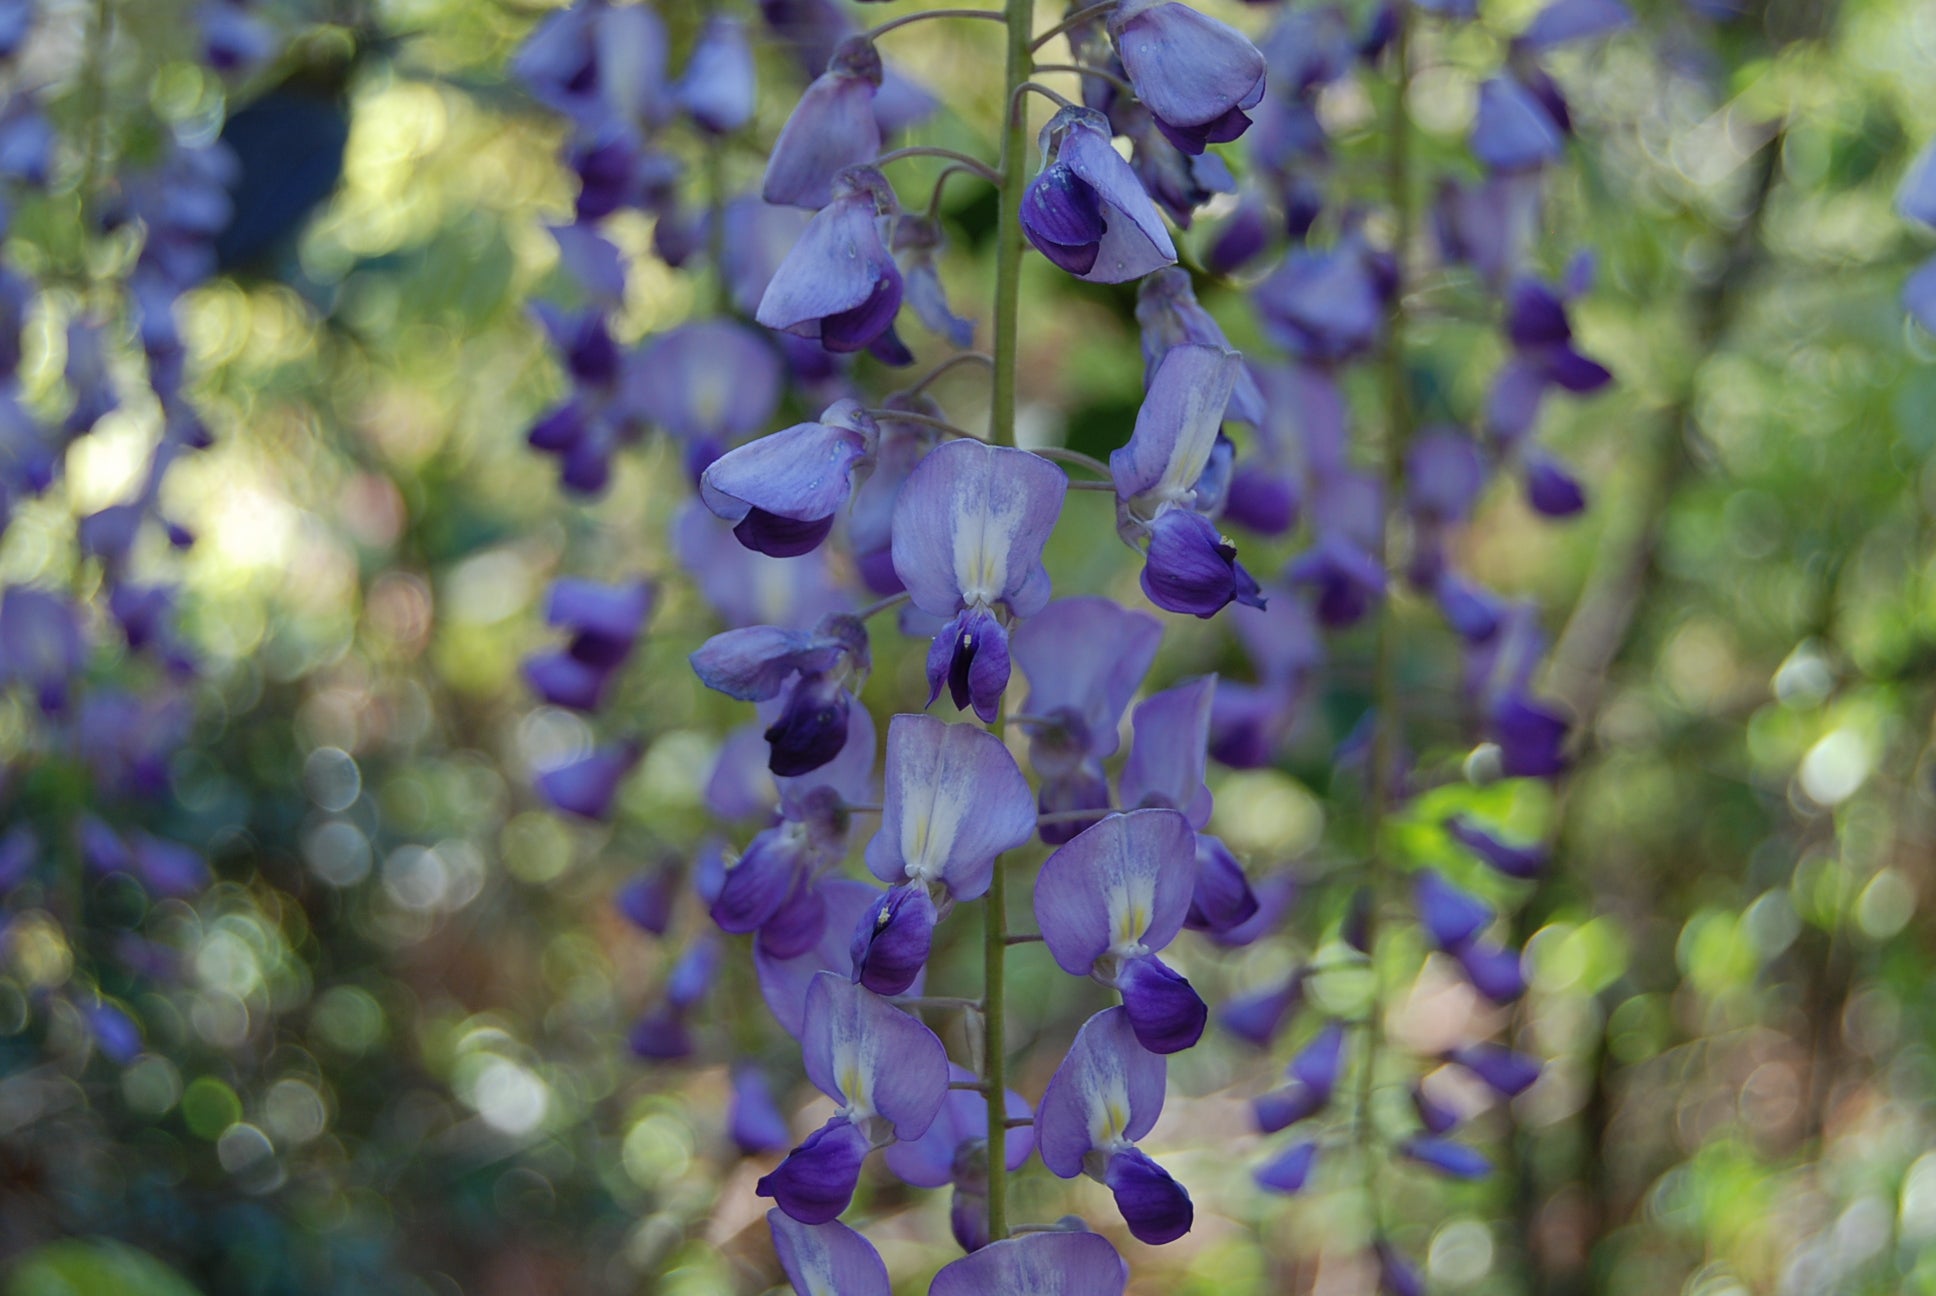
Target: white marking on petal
{"type": "Point", "coordinates": [984, 530]}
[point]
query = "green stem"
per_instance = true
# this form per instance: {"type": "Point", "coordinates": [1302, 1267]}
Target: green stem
{"type": "Point", "coordinates": [1387, 725]}
{"type": "Point", "coordinates": [1008, 289]}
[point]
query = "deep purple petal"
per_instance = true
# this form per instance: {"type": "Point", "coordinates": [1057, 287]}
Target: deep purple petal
{"type": "Point", "coordinates": [1154, 1205]}
{"type": "Point", "coordinates": [779, 537]}
{"type": "Point", "coordinates": [892, 941]}
{"type": "Point", "coordinates": [757, 1124]}
{"type": "Point", "coordinates": [1222, 898]}
{"type": "Point", "coordinates": [1190, 568]}
{"type": "Point", "coordinates": [1448, 1158]}
{"type": "Point", "coordinates": [812, 728]}
{"type": "Point", "coordinates": [1507, 1072]}
{"type": "Point", "coordinates": [1451, 915]}
{"type": "Point", "coordinates": [1514, 861]}
{"type": "Point", "coordinates": [798, 924]}
{"type": "Point", "coordinates": [1257, 1018]}
{"type": "Point", "coordinates": [1134, 241]}
{"type": "Point", "coordinates": [1164, 1009]}
{"type": "Point", "coordinates": [1494, 971]}
{"type": "Point", "coordinates": [816, 1181]}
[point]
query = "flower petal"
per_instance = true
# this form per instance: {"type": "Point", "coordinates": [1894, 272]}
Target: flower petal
{"type": "Point", "coordinates": [1037, 1264]}
{"type": "Point", "coordinates": [955, 800]}
{"type": "Point", "coordinates": [970, 525]}
{"type": "Point", "coordinates": [816, 1181]}
{"type": "Point", "coordinates": [1109, 1089]}
{"type": "Point", "coordinates": [827, 1259]}
{"type": "Point", "coordinates": [1154, 1205]}
{"type": "Point", "coordinates": [862, 1051]}
{"type": "Point", "coordinates": [1169, 751]}
{"type": "Point", "coordinates": [1124, 883]}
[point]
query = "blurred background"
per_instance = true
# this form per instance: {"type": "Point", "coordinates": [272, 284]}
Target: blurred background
{"type": "Point", "coordinates": [385, 1048]}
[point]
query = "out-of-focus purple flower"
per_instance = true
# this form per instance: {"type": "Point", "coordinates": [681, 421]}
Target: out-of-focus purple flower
{"type": "Point", "coordinates": [599, 64]}
{"type": "Point", "coordinates": [719, 86]}
{"type": "Point", "coordinates": [1396, 1276]}
{"type": "Point", "coordinates": [1176, 181]}
{"type": "Point", "coordinates": [586, 786]}
{"type": "Point", "coordinates": [1494, 970]}
{"type": "Point", "coordinates": [805, 674]}
{"type": "Point", "coordinates": [955, 800]}
{"type": "Point", "coordinates": [168, 868]}
{"type": "Point", "coordinates": [955, 1151]}
{"type": "Point", "coordinates": [1196, 75]}
{"type": "Point", "coordinates": [1086, 211]}
{"type": "Point", "coordinates": [87, 378]}
{"type": "Point", "coordinates": [1346, 581]}
{"type": "Point", "coordinates": [1452, 916]}
{"type": "Point", "coordinates": [1514, 131]}
{"type": "Point", "coordinates": [1531, 737]}
{"type": "Point", "coordinates": [1525, 862]}
{"type": "Point", "coordinates": [711, 383]}
{"type": "Point", "coordinates": [1242, 238]}
{"type": "Point", "coordinates": [757, 237]}
{"type": "Point", "coordinates": [1222, 899]}
{"type": "Point", "coordinates": [1170, 733]}
{"type": "Point", "coordinates": [234, 41]}
{"type": "Point", "coordinates": [1454, 1160]}
{"type": "Point", "coordinates": [600, 414]}
{"type": "Point", "coordinates": [1551, 489]}
{"type": "Point", "coordinates": [1504, 1071]}
{"type": "Point", "coordinates": [969, 527]}
{"type": "Point", "coordinates": [16, 20]}
{"type": "Point", "coordinates": [1037, 1264]}
{"type": "Point", "coordinates": [41, 645]}
{"type": "Point", "coordinates": [115, 1033]}
{"type": "Point", "coordinates": [1916, 199]}
{"type": "Point", "coordinates": [887, 1072]}
{"type": "Point", "coordinates": [1314, 1076]}
{"type": "Point", "coordinates": [839, 284]}
{"type": "Point", "coordinates": [747, 588]}
{"type": "Point", "coordinates": [870, 516]}
{"type": "Point", "coordinates": [1256, 1018]}
{"type": "Point", "coordinates": [604, 622]}
{"type": "Point", "coordinates": [1434, 1115]}
{"type": "Point", "coordinates": [1325, 307]}
{"type": "Point", "coordinates": [1289, 1170]}
{"type": "Point", "coordinates": [646, 900]}
{"type": "Point", "coordinates": [1168, 311]}
{"type": "Point", "coordinates": [20, 851]}
{"type": "Point", "coordinates": [1565, 21]}
{"type": "Point", "coordinates": [757, 1124]}
{"type": "Point", "coordinates": [1109, 901]}
{"type": "Point", "coordinates": [1489, 225]}
{"type": "Point", "coordinates": [827, 1257]}
{"type": "Point", "coordinates": [917, 240]}
{"type": "Point", "coordinates": [1543, 356]}
{"type": "Point", "coordinates": [832, 128]}
{"type": "Point", "coordinates": [783, 491]}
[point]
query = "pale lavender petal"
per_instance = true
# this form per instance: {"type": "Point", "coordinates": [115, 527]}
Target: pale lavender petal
{"type": "Point", "coordinates": [969, 527]}
{"type": "Point", "coordinates": [1122, 886]}
{"type": "Point", "coordinates": [1037, 1264]}
{"type": "Point", "coordinates": [1177, 425]}
{"type": "Point", "coordinates": [803, 472]}
{"type": "Point", "coordinates": [1087, 655]}
{"type": "Point", "coordinates": [830, 129]}
{"type": "Point", "coordinates": [1108, 1091]}
{"type": "Point", "coordinates": [955, 800]}
{"type": "Point", "coordinates": [827, 1259]}
{"type": "Point", "coordinates": [1168, 752]}
{"type": "Point", "coordinates": [784, 982]}
{"type": "Point", "coordinates": [863, 1052]}
{"type": "Point", "coordinates": [1134, 241]}
{"type": "Point", "coordinates": [1188, 68]}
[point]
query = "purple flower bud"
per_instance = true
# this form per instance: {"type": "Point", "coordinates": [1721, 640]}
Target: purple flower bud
{"type": "Point", "coordinates": [1452, 916]}
{"type": "Point", "coordinates": [812, 727]}
{"type": "Point", "coordinates": [646, 900]}
{"type": "Point", "coordinates": [1222, 898]}
{"type": "Point", "coordinates": [1191, 568]}
{"type": "Point", "coordinates": [1513, 131]}
{"type": "Point", "coordinates": [1166, 1013]}
{"type": "Point", "coordinates": [605, 622]}
{"type": "Point", "coordinates": [1494, 971]}
{"type": "Point", "coordinates": [1523, 862]}
{"type": "Point", "coordinates": [1435, 1116]}
{"type": "Point", "coordinates": [115, 1033]}
{"type": "Point", "coordinates": [661, 1036]}
{"type": "Point", "coordinates": [1453, 1159]}
{"type": "Point", "coordinates": [587, 786]}
{"type": "Point", "coordinates": [1531, 737]}
{"type": "Point", "coordinates": [1473, 614]}
{"type": "Point", "coordinates": [816, 1181]}
{"type": "Point", "coordinates": [1396, 1276]}
{"type": "Point", "coordinates": [832, 128]}
{"type": "Point", "coordinates": [1550, 489]}
{"type": "Point", "coordinates": [891, 943]}
{"type": "Point", "coordinates": [1037, 1264]}
{"type": "Point", "coordinates": [827, 1257]}
{"type": "Point", "coordinates": [1257, 1018]}
{"type": "Point", "coordinates": [1443, 476]}
{"type": "Point", "coordinates": [757, 1124]}
{"type": "Point", "coordinates": [1086, 211]}
{"type": "Point", "coordinates": [1155, 1206]}
{"type": "Point", "coordinates": [1195, 75]}
{"type": "Point", "coordinates": [1506, 1072]}
{"type": "Point", "coordinates": [719, 86]}
{"type": "Point", "coordinates": [1289, 1171]}
{"type": "Point", "coordinates": [839, 283]}
{"type": "Point", "coordinates": [970, 655]}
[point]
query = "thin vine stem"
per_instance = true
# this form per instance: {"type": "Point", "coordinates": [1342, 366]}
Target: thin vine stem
{"type": "Point", "coordinates": [1075, 19]}
{"type": "Point", "coordinates": [1023, 87]}
{"type": "Point", "coordinates": [875, 609]}
{"type": "Point", "coordinates": [962, 160]}
{"type": "Point", "coordinates": [1062, 454]}
{"type": "Point", "coordinates": [1386, 693]}
{"type": "Point", "coordinates": [1098, 73]}
{"type": "Point", "coordinates": [894, 24]}
{"type": "Point", "coordinates": [1007, 351]}
{"type": "Point", "coordinates": [921, 420]}
{"type": "Point", "coordinates": [952, 362]}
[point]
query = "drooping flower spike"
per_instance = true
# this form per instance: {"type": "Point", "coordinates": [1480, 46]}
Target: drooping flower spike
{"type": "Point", "coordinates": [1086, 211]}
{"type": "Point", "coordinates": [832, 128]}
{"type": "Point", "coordinates": [1036, 1264]}
{"type": "Point", "coordinates": [1109, 901]}
{"type": "Point", "coordinates": [1197, 76]}
{"type": "Point", "coordinates": [827, 1259]}
{"type": "Point", "coordinates": [782, 492]}
{"type": "Point", "coordinates": [1104, 1097]}
{"type": "Point", "coordinates": [1161, 478]}
{"type": "Point", "coordinates": [840, 284]}
{"type": "Point", "coordinates": [1084, 659]}
{"type": "Point", "coordinates": [969, 527]}
{"type": "Point", "coordinates": [887, 1072]}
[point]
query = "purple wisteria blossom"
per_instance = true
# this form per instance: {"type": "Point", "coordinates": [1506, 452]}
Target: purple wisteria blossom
{"type": "Point", "coordinates": [887, 1072]}
{"type": "Point", "coordinates": [1163, 485]}
{"type": "Point", "coordinates": [954, 1152]}
{"type": "Point", "coordinates": [604, 622]}
{"type": "Point", "coordinates": [587, 785]}
{"type": "Point", "coordinates": [827, 1258]}
{"type": "Point", "coordinates": [1195, 75]}
{"type": "Point", "coordinates": [710, 383]}
{"type": "Point", "coordinates": [719, 88]}
{"type": "Point", "coordinates": [1084, 659]}
{"type": "Point", "coordinates": [1105, 1097]}
{"type": "Point", "coordinates": [954, 801]}
{"type": "Point", "coordinates": [833, 127]}
{"type": "Point", "coordinates": [1168, 751]}
{"type": "Point", "coordinates": [1313, 1076]}
{"type": "Point", "coordinates": [782, 492]}
{"type": "Point", "coordinates": [840, 284]}
{"type": "Point", "coordinates": [1059, 1263]}
{"type": "Point", "coordinates": [1108, 901]}
{"type": "Point", "coordinates": [1086, 211]}
{"type": "Point", "coordinates": [809, 676]}
{"type": "Point", "coordinates": [784, 981]}
{"type": "Point", "coordinates": [969, 527]}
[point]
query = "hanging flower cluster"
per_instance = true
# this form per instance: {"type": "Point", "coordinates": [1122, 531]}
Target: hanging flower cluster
{"type": "Point", "coordinates": [950, 529]}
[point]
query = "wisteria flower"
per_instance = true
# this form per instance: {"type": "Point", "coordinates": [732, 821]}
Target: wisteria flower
{"type": "Point", "coordinates": [840, 284]}
{"type": "Point", "coordinates": [1168, 751]}
{"type": "Point", "coordinates": [1314, 1076]}
{"type": "Point", "coordinates": [1195, 74]}
{"type": "Point", "coordinates": [808, 673]}
{"type": "Point", "coordinates": [1169, 315]}
{"type": "Point", "coordinates": [888, 1074]}
{"type": "Point", "coordinates": [1036, 1264]}
{"type": "Point", "coordinates": [1104, 1097]}
{"type": "Point", "coordinates": [954, 1152]}
{"type": "Point", "coordinates": [1083, 659]}
{"type": "Point", "coordinates": [710, 383]}
{"type": "Point", "coordinates": [827, 1259]}
{"type": "Point", "coordinates": [833, 127]}
{"type": "Point", "coordinates": [587, 785]}
{"type": "Point", "coordinates": [955, 800]}
{"type": "Point", "coordinates": [1108, 901]}
{"type": "Point", "coordinates": [605, 622]}
{"type": "Point", "coordinates": [1513, 130]}
{"type": "Point", "coordinates": [1161, 478]}
{"type": "Point", "coordinates": [1086, 211]}
{"type": "Point", "coordinates": [784, 980]}
{"type": "Point", "coordinates": [719, 87]}
{"type": "Point", "coordinates": [969, 528]}
{"type": "Point", "coordinates": [782, 492]}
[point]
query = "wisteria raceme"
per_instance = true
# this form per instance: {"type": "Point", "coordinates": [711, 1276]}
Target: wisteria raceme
{"type": "Point", "coordinates": [883, 496]}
